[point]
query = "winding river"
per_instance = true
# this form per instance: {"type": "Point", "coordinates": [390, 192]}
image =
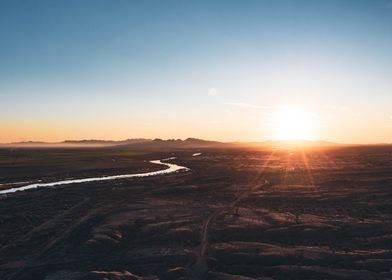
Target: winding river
{"type": "Point", "coordinates": [171, 168]}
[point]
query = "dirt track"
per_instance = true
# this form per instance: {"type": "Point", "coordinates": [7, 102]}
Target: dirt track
{"type": "Point", "coordinates": [200, 268]}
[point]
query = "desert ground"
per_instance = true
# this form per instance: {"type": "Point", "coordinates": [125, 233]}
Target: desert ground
{"type": "Point", "coordinates": [236, 214]}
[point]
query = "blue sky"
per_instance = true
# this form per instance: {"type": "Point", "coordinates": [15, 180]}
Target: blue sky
{"type": "Point", "coordinates": [119, 69]}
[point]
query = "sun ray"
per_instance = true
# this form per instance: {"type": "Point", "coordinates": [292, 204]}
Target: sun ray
{"type": "Point", "coordinates": [308, 169]}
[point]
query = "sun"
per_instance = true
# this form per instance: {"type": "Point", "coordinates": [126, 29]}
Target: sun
{"type": "Point", "coordinates": [293, 124]}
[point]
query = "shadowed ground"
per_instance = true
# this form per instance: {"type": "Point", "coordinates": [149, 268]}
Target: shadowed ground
{"type": "Point", "coordinates": [238, 214]}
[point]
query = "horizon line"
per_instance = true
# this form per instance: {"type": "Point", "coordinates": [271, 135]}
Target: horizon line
{"type": "Point", "coordinates": [69, 141]}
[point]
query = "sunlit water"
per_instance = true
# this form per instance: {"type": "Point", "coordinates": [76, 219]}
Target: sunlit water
{"type": "Point", "coordinates": [171, 168]}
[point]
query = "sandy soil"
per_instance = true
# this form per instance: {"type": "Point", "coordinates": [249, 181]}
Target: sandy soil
{"type": "Point", "coordinates": [238, 214]}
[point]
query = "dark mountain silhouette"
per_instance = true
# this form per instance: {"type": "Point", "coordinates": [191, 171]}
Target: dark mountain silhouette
{"type": "Point", "coordinates": [131, 143]}
{"type": "Point", "coordinates": [139, 143]}
{"type": "Point", "coordinates": [107, 142]}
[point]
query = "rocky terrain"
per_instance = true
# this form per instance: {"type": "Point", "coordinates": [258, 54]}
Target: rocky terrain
{"type": "Point", "coordinates": [237, 214]}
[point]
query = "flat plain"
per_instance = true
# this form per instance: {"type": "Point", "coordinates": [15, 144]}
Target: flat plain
{"type": "Point", "coordinates": [237, 214]}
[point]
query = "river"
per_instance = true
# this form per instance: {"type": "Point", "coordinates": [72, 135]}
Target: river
{"type": "Point", "coordinates": [171, 169]}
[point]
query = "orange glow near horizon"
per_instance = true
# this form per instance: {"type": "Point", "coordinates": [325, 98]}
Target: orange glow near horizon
{"type": "Point", "coordinates": [237, 124]}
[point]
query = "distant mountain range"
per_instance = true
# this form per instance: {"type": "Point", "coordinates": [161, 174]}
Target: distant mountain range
{"type": "Point", "coordinates": [131, 143]}
{"type": "Point", "coordinates": [140, 143]}
{"type": "Point", "coordinates": [172, 143]}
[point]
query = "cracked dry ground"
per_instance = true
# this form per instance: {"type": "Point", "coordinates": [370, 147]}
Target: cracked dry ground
{"type": "Point", "coordinates": [320, 215]}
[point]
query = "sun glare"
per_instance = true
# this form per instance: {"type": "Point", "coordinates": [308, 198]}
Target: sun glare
{"type": "Point", "coordinates": [293, 124]}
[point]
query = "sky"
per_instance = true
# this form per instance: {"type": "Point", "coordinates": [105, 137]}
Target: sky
{"type": "Point", "coordinates": [222, 70]}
